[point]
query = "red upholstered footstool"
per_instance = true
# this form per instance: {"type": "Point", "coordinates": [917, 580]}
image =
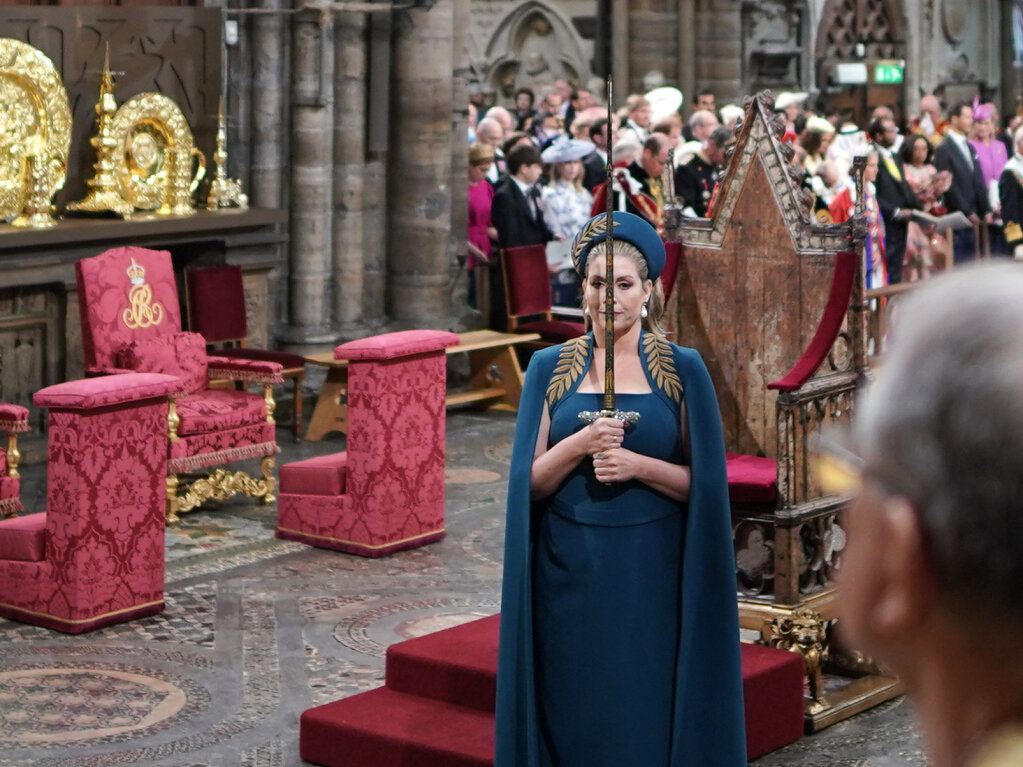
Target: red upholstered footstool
{"type": "Point", "coordinates": [772, 689]}
{"type": "Point", "coordinates": [96, 557]}
{"type": "Point", "coordinates": [386, 491]}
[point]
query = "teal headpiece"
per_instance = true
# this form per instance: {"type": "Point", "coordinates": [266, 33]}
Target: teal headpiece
{"type": "Point", "coordinates": [628, 227]}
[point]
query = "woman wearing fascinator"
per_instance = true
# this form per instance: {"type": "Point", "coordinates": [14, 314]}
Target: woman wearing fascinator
{"type": "Point", "coordinates": [619, 627]}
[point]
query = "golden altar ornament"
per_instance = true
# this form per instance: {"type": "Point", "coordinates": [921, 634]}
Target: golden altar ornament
{"type": "Point", "coordinates": [224, 192]}
{"type": "Point", "coordinates": [155, 155]}
{"type": "Point", "coordinates": [104, 190]}
{"type": "Point", "coordinates": [35, 134]}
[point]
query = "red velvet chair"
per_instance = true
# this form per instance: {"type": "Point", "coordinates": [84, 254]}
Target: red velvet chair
{"type": "Point", "coordinates": [215, 301]}
{"type": "Point", "coordinates": [14, 421]}
{"type": "Point", "coordinates": [96, 555]}
{"type": "Point", "coordinates": [386, 491]}
{"type": "Point", "coordinates": [527, 294]}
{"type": "Point", "coordinates": [672, 258]}
{"type": "Point", "coordinates": [131, 322]}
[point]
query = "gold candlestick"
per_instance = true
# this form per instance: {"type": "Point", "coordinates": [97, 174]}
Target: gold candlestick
{"type": "Point", "coordinates": [104, 194]}
{"type": "Point", "coordinates": [224, 192]}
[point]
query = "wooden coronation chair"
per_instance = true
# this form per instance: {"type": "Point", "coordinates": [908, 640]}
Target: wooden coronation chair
{"type": "Point", "coordinates": [131, 321]}
{"type": "Point", "coordinates": [775, 304]}
{"type": "Point", "coordinates": [215, 302]}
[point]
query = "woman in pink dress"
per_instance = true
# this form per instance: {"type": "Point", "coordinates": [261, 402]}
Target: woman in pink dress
{"type": "Point", "coordinates": [993, 156]}
{"type": "Point", "coordinates": [480, 230]}
{"type": "Point", "coordinates": [925, 247]}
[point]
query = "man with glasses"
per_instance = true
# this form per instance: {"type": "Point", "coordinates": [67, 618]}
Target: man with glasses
{"type": "Point", "coordinates": [931, 576]}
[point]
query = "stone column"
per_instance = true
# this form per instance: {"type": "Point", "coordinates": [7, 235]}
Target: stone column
{"type": "Point", "coordinates": [374, 234]}
{"type": "Point", "coordinates": [265, 181]}
{"type": "Point", "coordinates": [686, 42]}
{"type": "Point", "coordinates": [268, 139]}
{"type": "Point", "coordinates": [310, 327]}
{"type": "Point", "coordinates": [653, 41]}
{"type": "Point", "coordinates": [620, 69]}
{"type": "Point", "coordinates": [419, 172]}
{"type": "Point", "coordinates": [459, 290]}
{"type": "Point", "coordinates": [349, 167]}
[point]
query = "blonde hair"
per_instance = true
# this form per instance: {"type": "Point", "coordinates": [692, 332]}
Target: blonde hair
{"type": "Point", "coordinates": [654, 304]}
{"type": "Point", "coordinates": [577, 183]}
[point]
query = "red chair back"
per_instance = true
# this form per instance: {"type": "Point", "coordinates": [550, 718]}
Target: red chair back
{"type": "Point", "coordinates": [215, 297]}
{"type": "Point", "coordinates": [672, 258]}
{"type": "Point", "coordinates": [527, 281]}
{"type": "Point", "coordinates": [125, 294]}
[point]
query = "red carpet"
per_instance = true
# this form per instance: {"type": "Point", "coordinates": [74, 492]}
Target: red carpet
{"type": "Point", "coordinates": [437, 708]}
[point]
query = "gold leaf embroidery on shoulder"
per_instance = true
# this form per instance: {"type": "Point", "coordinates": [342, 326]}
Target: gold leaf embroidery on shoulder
{"type": "Point", "coordinates": [594, 228]}
{"type": "Point", "coordinates": [571, 363]}
{"type": "Point", "coordinates": [661, 362]}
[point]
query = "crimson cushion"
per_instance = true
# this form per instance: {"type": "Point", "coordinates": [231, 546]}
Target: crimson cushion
{"type": "Point", "coordinates": [219, 410]}
{"type": "Point", "coordinates": [23, 538]}
{"type": "Point", "coordinates": [323, 475]}
{"type": "Point", "coordinates": [403, 343]}
{"type": "Point", "coordinates": [106, 391]}
{"type": "Point", "coordinates": [751, 478]}
{"type": "Point", "coordinates": [557, 331]}
{"type": "Point", "coordinates": [180, 354]}
{"type": "Point", "coordinates": [284, 359]}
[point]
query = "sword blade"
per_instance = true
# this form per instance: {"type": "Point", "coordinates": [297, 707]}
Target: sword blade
{"type": "Point", "coordinates": [609, 286]}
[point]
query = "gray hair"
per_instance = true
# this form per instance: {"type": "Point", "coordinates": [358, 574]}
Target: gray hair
{"type": "Point", "coordinates": [943, 427]}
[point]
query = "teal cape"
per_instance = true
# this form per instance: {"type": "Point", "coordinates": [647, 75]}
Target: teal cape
{"type": "Point", "coordinates": [708, 726]}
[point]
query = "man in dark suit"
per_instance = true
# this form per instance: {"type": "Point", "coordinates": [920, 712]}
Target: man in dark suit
{"type": "Point", "coordinates": [516, 211]}
{"type": "Point", "coordinates": [518, 217]}
{"type": "Point", "coordinates": [894, 195]}
{"type": "Point", "coordinates": [595, 164]}
{"type": "Point", "coordinates": [968, 192]}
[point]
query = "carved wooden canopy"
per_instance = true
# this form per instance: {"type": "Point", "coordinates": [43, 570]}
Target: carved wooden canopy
{"type": "Point", "coordinates": [754, 278]}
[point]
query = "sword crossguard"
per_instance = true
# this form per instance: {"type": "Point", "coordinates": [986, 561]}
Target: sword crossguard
{"type": "Point", "coordinates": [627, 417]}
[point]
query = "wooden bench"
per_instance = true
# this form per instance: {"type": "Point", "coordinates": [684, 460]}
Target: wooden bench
{"type": "Point", "coordinates": [495, 378]}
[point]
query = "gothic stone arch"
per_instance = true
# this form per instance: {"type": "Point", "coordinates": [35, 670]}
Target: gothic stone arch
{"type": "Point", "coordinates": [879, 27]}
{"type": "Point", "coordinates": [533, 46]}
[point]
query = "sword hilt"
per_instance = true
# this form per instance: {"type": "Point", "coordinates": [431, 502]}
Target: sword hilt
{"type": "Point", "coordinates": [627, 417]}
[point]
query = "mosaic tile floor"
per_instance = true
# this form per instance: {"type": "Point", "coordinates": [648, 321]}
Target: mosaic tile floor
{"type": "Point", "coordinates": [256, 630]}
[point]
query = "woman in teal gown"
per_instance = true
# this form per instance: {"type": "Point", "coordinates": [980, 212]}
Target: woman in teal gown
{"type": "Point", "coordinates": [619, 630]}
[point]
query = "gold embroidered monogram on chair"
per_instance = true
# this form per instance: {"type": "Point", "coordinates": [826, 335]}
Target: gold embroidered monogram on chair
{"type": "Point", "coordinates": [141, 313]}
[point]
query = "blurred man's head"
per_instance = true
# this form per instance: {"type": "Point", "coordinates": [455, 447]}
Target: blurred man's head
{"type": "Point", "coordinates": [704, 100]}
{"type": "Point", "coordinates": [489, 131]}
{"type": "Point", "coordinates": [702, 123]}
{"type": "Point", "coordinates": [933, 565]}
{"type": "Point", "coordinates": [655, 154]}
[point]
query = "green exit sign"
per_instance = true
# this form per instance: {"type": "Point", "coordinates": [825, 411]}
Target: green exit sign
{"type": "Point", "coordinates": [888, 73]}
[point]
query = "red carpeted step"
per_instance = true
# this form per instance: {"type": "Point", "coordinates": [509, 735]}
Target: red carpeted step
{"type": "Point", "coordinates": [458, 665]}
{"type": "Point", "coordinates": [384, 728]}
{"type": "Point", "coordinates": [438, 707]}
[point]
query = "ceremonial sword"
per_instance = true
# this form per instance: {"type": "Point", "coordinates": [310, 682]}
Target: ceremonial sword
{"type": "Point", "coordinates": [608, 408]}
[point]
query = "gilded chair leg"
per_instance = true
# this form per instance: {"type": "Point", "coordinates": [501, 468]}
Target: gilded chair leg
{"type": "Point", "coordinates": [13, 456]}
{"type": "Point", "coordinates": [172, 499]}
{"type": "Point", "coordinates": [268, 476]}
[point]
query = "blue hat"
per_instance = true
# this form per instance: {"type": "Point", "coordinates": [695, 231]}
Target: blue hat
{"type": "Point", "coordinates": [628, 227]}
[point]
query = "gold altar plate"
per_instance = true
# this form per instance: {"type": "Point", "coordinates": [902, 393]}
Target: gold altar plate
{"type": "Point", "coordinates": [153, 162]}
{"type": "Point", "coordinates": [35, 132]}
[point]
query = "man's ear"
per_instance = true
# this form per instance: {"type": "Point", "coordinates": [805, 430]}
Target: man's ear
{"type": "Point", "coordinates": [906, 592]}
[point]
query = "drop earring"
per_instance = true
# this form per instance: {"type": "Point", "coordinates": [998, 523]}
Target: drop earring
{"type": "Point", "coordinates": [586, 311]}
{"type": "Point", "coordinates": [643, 312]}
